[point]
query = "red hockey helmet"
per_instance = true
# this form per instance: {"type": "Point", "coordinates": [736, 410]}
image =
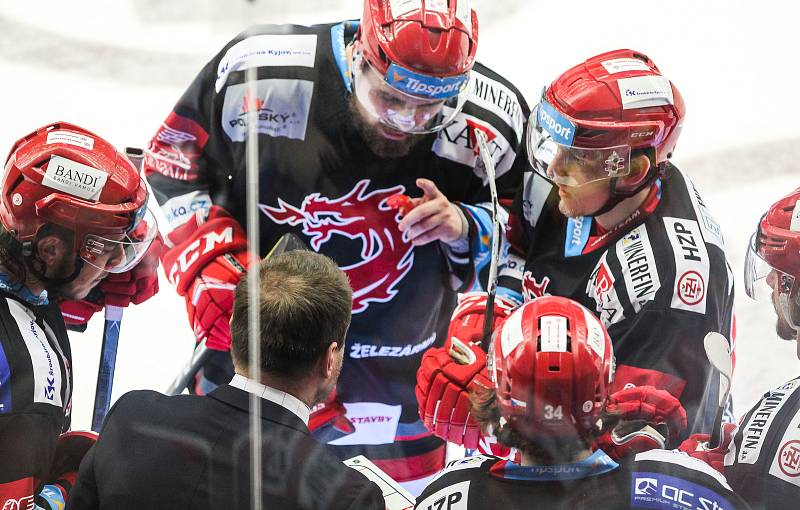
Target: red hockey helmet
{"type": "Point", "coordinates": [775, 249]}
{"type": "Point", "coordinates": [411, 66]}
{"type": "Point", "coordinates": [553, 363]}
{"type": "Point", "coordinates": [596, 113]}
{"type": "Point", "coordinates": [65, 175]}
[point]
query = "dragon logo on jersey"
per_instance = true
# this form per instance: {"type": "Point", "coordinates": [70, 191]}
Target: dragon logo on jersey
{"type": "Point", "coordinates": [532, 289]}
{"type": "Point", "coordinates": [386, 255]}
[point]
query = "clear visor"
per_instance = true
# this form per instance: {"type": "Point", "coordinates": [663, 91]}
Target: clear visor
{"type": "Point", "coordinates": [569, 165]}
{"type": "Point", "coordinates": [398, 110]}
{"type": "Point", "coordinates": [120, 253]}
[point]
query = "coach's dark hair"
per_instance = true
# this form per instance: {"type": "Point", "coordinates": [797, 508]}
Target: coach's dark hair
{"type": "Point", "coordinates": [306, 304]}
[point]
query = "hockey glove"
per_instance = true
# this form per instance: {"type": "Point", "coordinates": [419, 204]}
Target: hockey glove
{"type": "Point", "coordinates": [328, 421]}
{"type": "Point", "coordinates": [447, 374]}
{"type": "Point", "coordinates": [136, 286]}
{"type": "Point", "coordinates": [207, 259]}
{"type": "Point", "coordinates": [697, 446]}
{"type": "Point", "coordinates": [649, 418]}
{"type": "Point", "coordinates": [70, 450]}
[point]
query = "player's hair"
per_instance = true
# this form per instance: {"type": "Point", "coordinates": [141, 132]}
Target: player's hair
{"type": "Point", "coordinates": [12, 252]}
{"type": "Point", "coordinates": [545, 449]}
{"type": "Point", "coordinates": [306, 303]}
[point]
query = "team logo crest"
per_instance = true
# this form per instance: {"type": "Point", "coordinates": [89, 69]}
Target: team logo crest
{"type": "Point", "coordinates": [386, 255]}
{"type": "Point", "coordinates": [532, 289]}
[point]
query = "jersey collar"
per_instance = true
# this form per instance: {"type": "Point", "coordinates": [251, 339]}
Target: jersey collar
{"type": "Point", "coordinates": [596, 464]}
{"type": "Point", "coordinates": [11, 286]}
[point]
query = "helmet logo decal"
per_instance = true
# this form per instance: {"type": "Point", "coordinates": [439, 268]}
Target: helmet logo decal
{"type": "Point", "coordinates": [560, 129]}
{"type": "Point", "coordinates": [645, 91]}
{"type": "Point", "coordinates": [614, 164]}
{"type": "Point", "coordinates": [74, 178]}
{"type": "Point", "coordinates": [386, 255]}
{"type": "Point", "coordinates": [794, 226]}
{"type": "Point", "coordinates": [430, 87]}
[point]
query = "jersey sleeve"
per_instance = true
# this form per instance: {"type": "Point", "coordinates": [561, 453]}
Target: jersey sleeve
{"type": "Point", "coordinates": [452, 485]}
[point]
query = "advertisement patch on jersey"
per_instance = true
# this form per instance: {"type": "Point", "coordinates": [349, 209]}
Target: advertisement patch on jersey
{"type": "Point", "coordinates": [365, 217]}
{"type": "Point", "coordinates": [453, 497]}
{"type": "Point", "coordinates": [47, 374]}
{"type": "Point", "coordinates": [181, 208]}
{"type": "Point", "coordinates": [639, 269]}
{"type": "Point", "coordinates": [175, 150]}
{"type": "Point", "coordinates": [457, 142]}
{"type": "Point", "coordinates": [361, 351]}
{"type": "Point", "coordinates": [600, 287]}
{"type": "Point", "coordinates": [645, 91]}
{"type": "Point", "coordinates": [281, 107]}
{"type": "Point", "coordinates": [622, 65]}
{"type": "Point", "coordinates": [74, 178]}
{"type": "Point", "coordinates": [375, 423]}
{"type": "Point", "coordinates": [267, 50]}
{"type": "Point", "coordinates": [657, 490]}
{"type": "Point", "coordinates": [498, 99]}
{"type": "Point", "coordinates": [77, 139]}
{"type": "Point", "coordinates": [785, 464]}
{"type": "Point", "coordinates": [691, 264]}
{"type": "Point", "coordinates": [712, 232]}
{"type": "Point", "coordinates": [755, 430]}
{"type": "Point", "coordinates": [560, 128]}
{"type": "Point", "coordinates": [422, 85]}
{"type": "Point", "coordinates": [578, 230]}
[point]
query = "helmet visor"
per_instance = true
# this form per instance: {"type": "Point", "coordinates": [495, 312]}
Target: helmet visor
{"type": "Point", "coordinates": [120, 253]}
{"type": "Point", "coordinates": [553, 155]}
{"type": "Point", "coordinates": [428, 112]}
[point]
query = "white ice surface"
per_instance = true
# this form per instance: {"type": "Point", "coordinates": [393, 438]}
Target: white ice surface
{"type": "Point", "coordinates": [117, 67]}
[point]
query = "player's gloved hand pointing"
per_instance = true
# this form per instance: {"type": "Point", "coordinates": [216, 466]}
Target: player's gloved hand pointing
{"type": "Point", "coordinates": [447, 374]}
{"type": "Point", "coordinates": [433, 218]}
{"type": "Point", "coordinates": [207, 259]}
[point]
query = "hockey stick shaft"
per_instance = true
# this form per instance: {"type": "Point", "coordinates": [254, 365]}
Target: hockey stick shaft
{"type": "Point", "coordinates": [108, 361]}
{"type": "Point", "coordinates": [491, 291]}
{"type": "Point", "coordinates": [195, 363]}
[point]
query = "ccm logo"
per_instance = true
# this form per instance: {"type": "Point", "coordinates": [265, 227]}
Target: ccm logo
{"type": "Point", "coordinates": [192, 252]}
{"type": "Point", "coordinates": [643, 134]}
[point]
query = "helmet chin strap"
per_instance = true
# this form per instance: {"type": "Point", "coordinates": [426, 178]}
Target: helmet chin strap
{"type": "Point", "coordinates": [52, 285]}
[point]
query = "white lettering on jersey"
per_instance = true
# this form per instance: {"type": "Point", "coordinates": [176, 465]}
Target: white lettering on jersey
{"type": "Point", "coordinates": [786, 462]}
{"type": "Point", "coordinates": [498, 99]}
{"type": "Point", "coordinates": [281, 107]}
{"type": "Point", "coordinates": [534, 194]}
{"type": "Point", "coordinates": [691, 265]}
{"type": "Point", "coordinates": [74, 178]}
{"type": "Point", "coordinates": [374, 423]}
{"type": "Point", "coordinates": [456, 142]}
{"type": "Point", "coordinates": [635, 254]}
{"type": "Point", "coordinates": [600, 287]}
{"type": "Point", "coordinates": [712, 232]}
{"type": "Point", "coordinates": [360, 351]}
{"type": "Point", "coordinates": [267, 50]}
{"type": "Point", "coordinates": [511, 266]}
{"type": "Point", "coordinates": [454, 497]}
{"type": "Point", "coordinates": [680, 458]}
{"type": "Point", "coordinates": [181, 208]}
{"type": "Point", "coordinates": [755, 431]}
{"type": "Point", "coordinates": [47, 374]}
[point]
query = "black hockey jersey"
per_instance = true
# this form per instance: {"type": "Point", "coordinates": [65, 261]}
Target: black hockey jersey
{"type": "Point", "coordinates": [319, 180]}
{"type": "Point", "coordinates": [763, 461]}
{"type": "Point", "coordinates": [35, 392]}
{"type": "Point", "coordinates": [659, 282]}
{"type": "Point", "coordinates": [658, 479]}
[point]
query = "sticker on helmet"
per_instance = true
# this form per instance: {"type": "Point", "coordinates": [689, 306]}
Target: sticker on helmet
{"type": "Point", "coordinates": [74, 178]}
{"type": "Point", "coordinates": [621, 65]}
{"type": "Point", "coordinates": [794, 226]}
{"type": "Point", "coordinates": [554, 333]}
{"type": "Point", "coordinates": [400, 7]}
{"type": "Point", "coordinates": [464, 15]}
{"type": "Point", "coordinates": [594, 334]}
{"type": "Point", "coordinates": [87, 142]}
{"type": "Point", "coordinates": [645, 91]}
{"type": "Point", "coordinates": [437, 5]}
{"type": "Point", "coordinates": [560, 129]}
{"type": "Point", "coordinates": [422, 85]}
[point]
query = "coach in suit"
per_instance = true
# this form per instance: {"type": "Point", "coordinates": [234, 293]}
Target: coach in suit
{"type": "Point", "coordinates": [190, 451]}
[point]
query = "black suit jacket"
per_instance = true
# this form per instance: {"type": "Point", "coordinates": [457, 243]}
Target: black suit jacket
{"type": "Point", "coordinates": [192, 452]}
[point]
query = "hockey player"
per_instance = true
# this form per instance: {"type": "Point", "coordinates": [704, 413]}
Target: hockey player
{"type": "Point", "coordinates": [349, 115]}
{"type": "Point", "coordinates": [552, 370]}
{"type": "Point", "coordinates": [763, 462]}
{"type": "Point", "coordinates": [73, 210]}
{"type": "Point", "coordinates": [605, 219]}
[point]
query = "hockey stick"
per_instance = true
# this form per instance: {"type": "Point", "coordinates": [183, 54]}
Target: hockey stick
{"type": "Point", "coordinates": [287, 242]}
{"type": "Point", "coordinates": [108, 349]}
{"type": "Point", "coordinates": [719, 355]}
{"type": "Point", "coordinates": [491, 291]}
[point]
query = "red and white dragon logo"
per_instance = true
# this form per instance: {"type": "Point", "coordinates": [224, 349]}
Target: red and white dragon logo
{"type": "Point", "coordinates": [386, 256]}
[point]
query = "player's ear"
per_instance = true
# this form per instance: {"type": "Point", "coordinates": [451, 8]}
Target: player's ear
{"type": "Point", "coordinates": [51, 250]}
{"type": "Point", "coordinates": [329, 360]}
{"type": "Point", "coordinates": [640, 165]}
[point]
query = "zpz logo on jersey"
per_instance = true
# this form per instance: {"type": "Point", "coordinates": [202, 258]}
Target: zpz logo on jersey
{"type": "Point", "coordinates": [386, 256]}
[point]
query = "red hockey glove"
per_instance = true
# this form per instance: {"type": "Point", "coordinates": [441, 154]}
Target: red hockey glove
{"type": "Point", "coordinates": [136, 286]}
{"type": "Point", "coordinates": [207, 260]}
{"type": "Point", "coordinates": [649, 418]}
{"type": "Point", "coordinates": [447, 374]}
{"type": "Point", "coordinates": [328, 421]}
{"type": "Point", "coordinates": [697, 446]}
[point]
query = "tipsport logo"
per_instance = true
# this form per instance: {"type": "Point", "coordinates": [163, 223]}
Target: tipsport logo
{"type": "Point", "coordinates": [431, 87]}
{"type": "Point", "coordinates": [560, 129]}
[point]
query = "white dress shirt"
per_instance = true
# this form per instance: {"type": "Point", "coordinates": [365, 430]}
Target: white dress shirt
{"type": "Point", "coordinates": [283, 399]}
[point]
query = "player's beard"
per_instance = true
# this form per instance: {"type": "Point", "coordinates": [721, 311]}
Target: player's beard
{"type": "Point", "coordinates": [375, 141]}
